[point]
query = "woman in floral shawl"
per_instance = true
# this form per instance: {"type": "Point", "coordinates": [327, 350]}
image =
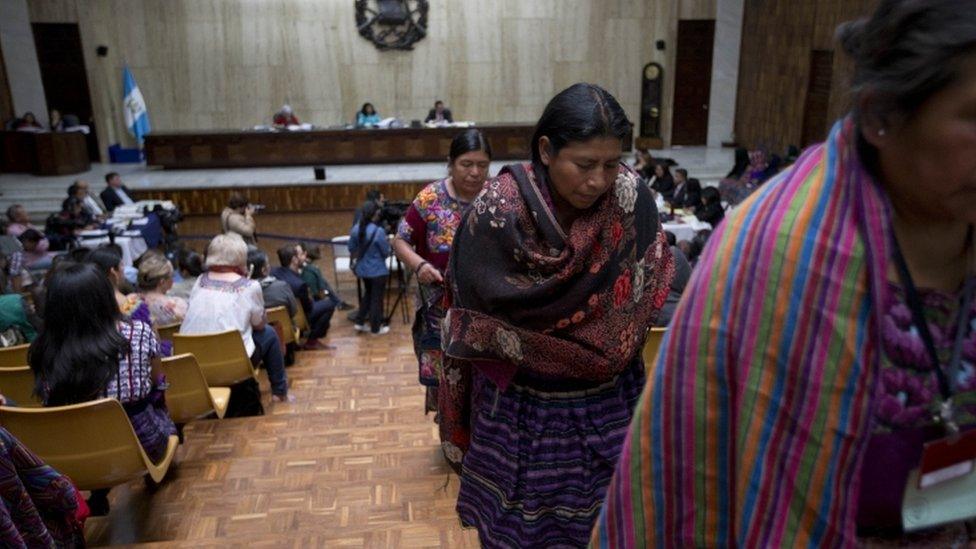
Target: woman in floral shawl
{"type": "Point", "coordinates": [800, 379]}
{"type": "Point", "coordinates": [558, 269]}
{"type": "Point", "coordinates": [423, 243]}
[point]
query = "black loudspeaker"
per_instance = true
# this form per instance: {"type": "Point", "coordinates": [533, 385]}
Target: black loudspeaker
{"type": "Point", "coordinates": [319, 173]}
{"type": "Point", "coordinates": [652, 85]}
{"type": "Point", "coordinates": [102, 51]}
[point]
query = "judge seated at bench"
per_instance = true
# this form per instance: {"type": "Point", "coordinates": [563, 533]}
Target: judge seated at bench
{"type": "Point", "coordinates": [367, 116]}
{"type": "Point", "coordinates": [116, 194]}
{"type": "Point", "coordinates": [285, 117]}
{"type": "Point", "coordinates": [439, 114]}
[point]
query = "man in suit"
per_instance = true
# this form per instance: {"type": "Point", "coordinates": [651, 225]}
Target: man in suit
{"type": "Point", "coordinates": [116, 194]}
{"type": "Point", "coordinates": [439, 113]}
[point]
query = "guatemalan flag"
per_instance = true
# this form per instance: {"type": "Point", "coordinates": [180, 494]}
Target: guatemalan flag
{"type": "Point", "coordinates": [136, 117]}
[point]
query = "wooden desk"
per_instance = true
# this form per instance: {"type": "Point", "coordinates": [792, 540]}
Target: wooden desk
{"type": "Point", "coordinates": [238, 149]}
{"type": "Point", "coordinates": [45, 153]}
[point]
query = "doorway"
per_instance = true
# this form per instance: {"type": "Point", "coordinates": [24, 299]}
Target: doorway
{"type": "Point", "coordinates": [62, 63]}
{"type": "Point", "coordinates": [692, 81]}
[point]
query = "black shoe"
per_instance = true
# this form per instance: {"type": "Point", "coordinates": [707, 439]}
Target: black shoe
{"type": "Point", "coordinates": [352, 317]}
{"type": "Point", "coordinates": [98, 503]}
{"type": "Point", "coordinates": [343, 306]}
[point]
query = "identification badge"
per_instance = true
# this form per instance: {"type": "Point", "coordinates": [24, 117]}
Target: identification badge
{"type": "Point", "coordinates": [943, 460]}
{"type": "Point", "coordinates": [943, 489]}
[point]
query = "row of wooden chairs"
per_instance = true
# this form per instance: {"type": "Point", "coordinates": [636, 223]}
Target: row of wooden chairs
{"type": "Point", "coordinates": [93, 442]}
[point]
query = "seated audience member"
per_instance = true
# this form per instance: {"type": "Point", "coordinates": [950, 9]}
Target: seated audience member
{"type": "Point", "coordinates": [91, 204]}
{"type": "Point", "coordinates": [115, 194]}
{"type": "Point", "coordinates": [439, 114]}
{"type": "Point", "coordinates": [285, 117]}
{"type": "Point", "coordinates": [682, 272]}
{"type": "Point", "coordinates": [644, 164]}
{"type": "Point", "coordinates": [108, 259]}
{"type": "Point", "coordinates": [154, 280]}
{"type": "Point", "coordinates": [18, 322]}
{"type": "Point", "coordinates": [190, 266]}
{"type": "Point", "coordinates": [318, 286]}
{"type": "Point", "coordinates": [224, 298]}
{"type": "Point", "coordinates": [368, 244]}
{"type": "Point", "coordinates": [238, 218]}
{"type": "Point", "coordinates": [684, 194]}
{"type": "Point", "coordinates": [87, 350]}
{"type": "Point", "coordinates": [28, 123]}
{"type": "Point", "coordinates": [755, 173]}
{"type": "Point", "coordinates": [73, 214]}
{"type": "Point", "coordinates": [277, 293]}
{"type": "Point", "coordinates": [710, 210]}
{"type": "Point", "coordinates": [37, 257]}
{"type": "Point", "coordinates": [367, 116]}
{"type": "Point", "coordinates": [693, 190]}
{"type": "Point", "coordinates": [41, 507]}
{"type": "Point", "coordinates": [319, 313]}
{"type": "Point", "coordinates": [55, 122]}
{"type": "Point", "coordinates": [33, 243]}
{"type": "Point", "coordinates": [663, 182]}
{"type": "Point", "coordinates": [16, 278]}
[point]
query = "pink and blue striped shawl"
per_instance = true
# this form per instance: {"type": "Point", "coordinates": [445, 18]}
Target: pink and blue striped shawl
{"type": "Point", "coordinates": [754, 420]}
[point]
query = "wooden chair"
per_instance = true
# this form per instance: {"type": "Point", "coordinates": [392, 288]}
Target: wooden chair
{"type": "Point", "coordinates": [17, 384]}
{"type": "Point", "coordinates": [653, 343]}
{"type": "Point", "coordinates": [301, 321]}
{"type": "Point", "coordinates": [166, 332]}
{"type": "Point", "coordinates": [280, 315]}
{"type": "Point", "coordinates": [188, 396]}
{"type": "Point", "coordinates": [221, 356]}
{"type": "Point", "coordinates": [93, 443]}
{"type": "Point", "coordinates": [14, 357]}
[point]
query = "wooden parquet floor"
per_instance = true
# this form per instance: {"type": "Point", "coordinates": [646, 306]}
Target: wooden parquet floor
{"type": "Point", "coordinates": [353, 463]}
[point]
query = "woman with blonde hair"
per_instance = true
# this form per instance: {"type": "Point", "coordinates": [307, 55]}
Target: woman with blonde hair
{"type": "Point", "coordinates": [226, 299]}
{"type": "Point", "coordinates": [155, 278]}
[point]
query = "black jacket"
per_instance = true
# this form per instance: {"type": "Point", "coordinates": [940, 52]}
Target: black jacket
{"type": "Point", "coordinates": [432, 115]}
{"type": "Point", "coordinates": [685, 197]}
{"type": "Point", "coordinates": [112, 200]}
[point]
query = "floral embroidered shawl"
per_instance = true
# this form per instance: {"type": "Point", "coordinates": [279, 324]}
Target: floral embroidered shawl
{"type": "Point", "coordinates": [526, 296]}
{"type": "Point", "coordinates": [756, 416]}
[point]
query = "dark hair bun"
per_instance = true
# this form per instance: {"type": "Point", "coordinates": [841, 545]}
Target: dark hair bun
{"type": "Point", "coordinates": [850, 35]}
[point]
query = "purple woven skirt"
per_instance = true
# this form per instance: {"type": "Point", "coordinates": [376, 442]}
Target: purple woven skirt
{"type": "Point", "coordinates": [540, 461]}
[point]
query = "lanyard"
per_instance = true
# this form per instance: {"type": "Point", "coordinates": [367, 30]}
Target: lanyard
{"type": "Point", "coordinates": [944, 375]}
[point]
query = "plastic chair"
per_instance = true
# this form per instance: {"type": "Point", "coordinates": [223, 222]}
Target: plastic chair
{"type": "Point", "coordinates": [17, 384]}
{"type": "Point", "coordinates": [14, 357]}
{"type": "Point", "coordinates": [221, 356]}
{"type": "Point", "coordinates": [93, 443]}
{"type": "Point", "coordinates": [188, 396]}
{"type": "Point", "coordinates": [166, 332]}
{"type": "Point", "coordinates": [341, 259]}
{"type": "Point", "coordinates": [653, 343]}
{"type": "Point", "coordinates": [280, 315]}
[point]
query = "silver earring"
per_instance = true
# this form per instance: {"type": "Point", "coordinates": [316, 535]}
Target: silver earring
{"type": "Point", "coordinates": [881, 132]}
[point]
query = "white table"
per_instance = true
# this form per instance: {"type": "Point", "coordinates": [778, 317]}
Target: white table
{"type": "Point", "coordinates": [686, 228]}
{"type": "Point", "coordinates": [133, 245]}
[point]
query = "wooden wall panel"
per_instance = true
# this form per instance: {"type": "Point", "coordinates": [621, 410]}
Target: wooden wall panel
{"type": "Point", "coordinates": [229, 64]}
{"type": "Point", "coordinates": [777, 38]}
{"type": "Point", "coordinates": [328, 197]}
